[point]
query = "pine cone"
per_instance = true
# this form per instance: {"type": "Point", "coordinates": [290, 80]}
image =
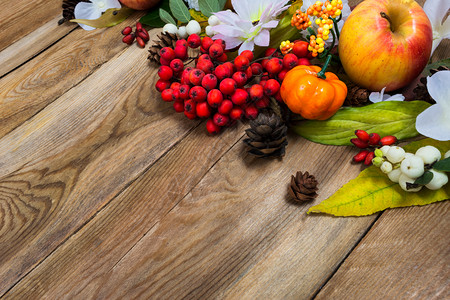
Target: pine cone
{"type": "Point", "coordinates": [303, 187]}
{"type": "Point", "coordinates": [68, 7]}
{"type": "Point", "coordinates": [421, 91]}
{"type": "Point", "coordinates": [267, 136]}
{"type": "Point", "coordinates": [164, 40]}
{"type": "Point", "coordinates": [356, 95]}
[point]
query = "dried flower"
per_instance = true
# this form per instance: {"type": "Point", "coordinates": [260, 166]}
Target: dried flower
{"type": "Point", "coordinates": [93, 10]}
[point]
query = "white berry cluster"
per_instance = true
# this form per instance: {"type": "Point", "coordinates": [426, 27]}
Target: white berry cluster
{"type": "Point", "coordinates": [212, 21]}
{"type": "Point", "coordinates": [404, 168]}
{"type": "Point", "coordinates": [193, 27]}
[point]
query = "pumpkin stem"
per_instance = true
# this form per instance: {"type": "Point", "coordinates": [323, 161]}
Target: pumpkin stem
{"type": "Point", "coordinates": [321, 74]}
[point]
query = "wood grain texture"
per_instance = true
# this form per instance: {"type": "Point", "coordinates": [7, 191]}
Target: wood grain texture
{"type": "Point", "coordinates": [20, 17]}
{"type": "Point", "coordinates": [404, 256]}
{"type": "Point", "coordinates": [59, 168]}
{"type": "Point", "coordinates": [31, 87]}
{"type": "Point", "coordinates": [21, 51]}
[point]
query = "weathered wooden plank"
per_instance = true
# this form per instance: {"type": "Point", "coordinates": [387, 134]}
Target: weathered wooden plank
{"type": "Point", "coordinates": [40, 81]}
{"type": "Point", "coordinates": [19, 52]}
{"type": "Point", "coordinates": [20, 17]}
{"type": "Point", "coordinates": [233, 236]}
{"type": "Point", "coordinates": [404, 256]}
{"type": "Point", "coordinates": [60, 167]}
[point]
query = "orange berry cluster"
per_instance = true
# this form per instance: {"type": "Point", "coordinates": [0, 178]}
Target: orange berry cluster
{"type": "Point", "coordinates": [300, 20]}
{"type": "Point", "coordinates": [286, 47]}
{"type": "Point", "coordinates": [316, 45]}
{"type": "Point", "coordinates": [329, 8]}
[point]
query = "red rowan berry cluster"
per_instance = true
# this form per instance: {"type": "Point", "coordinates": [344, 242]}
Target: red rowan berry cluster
{"type": "Point", "coordinates": [369, 142]}
{"type": "Point", "coordinates": [217, 89]}
{"type": "Point", "coordinates": [141, 35]}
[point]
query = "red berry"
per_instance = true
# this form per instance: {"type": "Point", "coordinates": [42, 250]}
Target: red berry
{"type": "Point", "coordinates": [206, 66]}
{"type": "Point", "coordinates": [196, 76]}
{"type": "Point", "coordinates": [239, 97]}
{"type": "Point", "coordinates": [214, 98]}
{"type": "Point", "coordinates": [194, 41]}
{"type": "Point", "coordinates": [256, 92]}
{"type": "Point", "coordinates": [225, 107]}
{"type": "Point", "coordinates": [209, 82]}
{"type": "Point", "coordinates": [127, 30]}
{"type": "Point", "coordinates": [274, 65]}
{"type": "Point", "coordinates": [167, 53]}
{"type": "Point", "coordinates": [222, 58]}
{"type": "Point", "coordinates": [251, 112]}
{"type": "Point", "coordinates": [138, 26]}
{"type": "Point", "coordinates": [368, 159]}
{"type": "Point", "coordinates": [270, 52]}
{"type": "Point", "coordinates": [256, 68]}
{"type": "Point", "coordinates": [178, 106]}
{"type": "Point", "coordinates": [203, 110]}
{"type": "Point", "coordinates": [211, 127]}
{"type": "Point", "coordinates": [240, 78]}
{"type": "Point", "coordinates": [230, 67]}
{"type": "Point", "coordinates": [241, 62]}
{"type": "Point", "coordinates": [167, 95]}
{"type": "Point", "coordinates": [164, 62]}
{"type": "Point", "coordinates": [249, 72]}
{"type": "Point", "coordinates": [359, 143]}
{"type": "Point", "coordinates": [215, 51]}
{"type": "Point", "coordinates": [181, 42]}
{"type": "Point", "coordinates": [165, 73]}
{"type": "Point", "coordinates": [220, 120]}
{"type": "Point", "coordinates": [190, 116]}
{"type": "Point", "coordinates": [227, 86]}
{"type": "Point", "coordinates": [278, 97]}
{"type": "Point", "coordinates": [184, 91]}
{"type": "Point", "coordinates": [388, 140]}
{"type": "Point", "coordinates": [222, 72]}
{"type": "Point", "coordinates": [360, 156]}
{"type": "Point", "coordinates": [290, 61]}
{"type": "Point", "coordinates": [161, 85]}
{"type": "Point", "coordinates": [220, 42]}
{"type": "Point", "coordinates": [198, 93]}
{"type": "Point", "coordinates": [248, 54]}
{"type": "Point", "coordinates": [206, 42]}
{"type": "Point", "coordinates": [304, 62]}
{"type": "Point", "coordinates": [262, 103]}
{"type": "Point", "coordinates": [236, 113]}
{"type": "Point", "coordinates": [189, 106]}
{"type": "Point", "coordinates": [282, 74]}
{"type": "Point", "coordinates": [128, 39]}
{"type": "Point", "coordinates": [362, 135]}
{"type": "Point", "coordinates": [176, 65]}
{"type": "Point", "coordinates": [203, 51]}
{"type": "Point", "coordinates": [374, 139]}
{"type": "Point", "coordinates": [204, 57]}
{"type": "Point", "coordinates": [144, 36]}
{"type": "Point", "coordinates": [185, 76]}
{"type": "Point", "coordinates": [175, 86]}
{"type": "Point", "coordinates": [181, 52]}
{"type": "Point", "coordinates": [300, 49]}
{"type": "Point", "coordinates": [271, 87]}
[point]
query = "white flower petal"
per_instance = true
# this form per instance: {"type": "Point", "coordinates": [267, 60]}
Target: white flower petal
{"type": "Point", "coordinates": [228, 30]}
{"type": "Point", "coordinates": [439, 88]}
{"type": "Point", "coordinates": [377, 97]}
{"type": "Point", "coordinates": [263, 38]}
{"type": "Point", "coordinates": [270, 24]}
{"type": "Point", "coordinates": [445, 29]}
{"type": "Point", "coordinates": [86, 10]}
{"type": "Point", "coordinates": [247, 45]}
{"type": "Point", "coordinates": [241, 8]}
{"type": "Point", "coordinates": [436, 10]}
{"type": "Point", "coordinates": [396, 97]}
{"type": "Point", "coordinates": [433, 123]}
{"type": "Point", "coordinates": [113, 4]}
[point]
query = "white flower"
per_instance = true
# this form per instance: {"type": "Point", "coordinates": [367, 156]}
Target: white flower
{"type": "Point", "coordinates": [345, 13]}
{"type": "Point", "coordinates": [250, 24]}
{"type": "Point", "coordinates": [93, 10]}
{"type": "Point", "coordinates": [434, 122]}
{"type": "Point", "coordinates": [381, 96]}
{"type": "Point", "coordinates": [436, 11]}
{"type": "Point", "coordinates": [193, 4]}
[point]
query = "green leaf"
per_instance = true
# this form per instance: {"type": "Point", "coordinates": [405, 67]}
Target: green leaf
{"type": "Point", "coordinates": [198, 16]}
{"type": "Point", "coordinates": [442, 165]}
{"type": "Point", "coordinates": [208, 7]}
{"type": "Point", "coordinates": [425, 178]}
{"type": "Point", "coordinates": [152, 18]}
{"type": "Point", "coordinates": [372, 191]}
{"type": "Point", "coordinates": [179, 10]}
{"type": "Point", "coordinates": [385, 118]}
{"type": "Point", "coordinates": [444, 62]}
{"type": "Point", "coordinates": [166, 17]}
{"type": "Point", "coordinates": [222, 4]}
{"type": "Point", "coordinates": [111, 17]}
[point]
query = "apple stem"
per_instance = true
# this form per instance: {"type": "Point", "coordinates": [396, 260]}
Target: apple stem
{"type": "Point", "coordinates": [321, 74]}
{"type": "Point", "coordinates": [384, 15]}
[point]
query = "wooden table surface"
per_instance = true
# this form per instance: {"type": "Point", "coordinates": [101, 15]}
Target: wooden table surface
{"type": "Point", "coordinates": [106, 193]}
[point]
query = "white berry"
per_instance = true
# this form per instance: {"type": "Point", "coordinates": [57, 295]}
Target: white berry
{"type": "Point", "coordinates": [439, 180]}
{"type": "Point", "coordinates": [193, 27]}
{"type": "Point", "coordinates": [429, 154]}
{"type": "Point", "coordinates": [407, 154]}
{"type": "Point", "coordinates": [447, 154]}
{"type": "Point", "coordinates": [394, 175]}
{"type": "Point", "coordinates": [213, 20]}
{"type": "Point", "coordinates": [386, 167]}
{"type": "Point", "coordinates": [385, 149]}
{"type": "Point", "coordinates": [413, 166]}
{"type": "Point", "coordinates": [395, 154]}
{"type": "Point", "coordinates": [209, 31]}
{"type": "Point", "coordinates": [182, 32]}
{"type": "Point", "coordinates": [170, 28]}
{"type": "Point", "coordinates": [404, 179]}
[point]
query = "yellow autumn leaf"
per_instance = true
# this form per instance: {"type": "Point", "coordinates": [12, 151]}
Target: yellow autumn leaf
{"type": "Point", "coordinates": [109, 18]}
{"type": "Point", "coordinates": [198, 16]}
{"type": "Point", "coordinates": [372, 191]}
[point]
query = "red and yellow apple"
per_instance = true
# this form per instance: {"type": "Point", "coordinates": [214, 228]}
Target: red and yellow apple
{"type": "Point", "coordinates": [140, 4]}
{"type": "Point", "coordinates": [385, 43]}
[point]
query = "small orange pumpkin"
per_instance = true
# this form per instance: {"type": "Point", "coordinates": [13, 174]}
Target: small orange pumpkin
{"type": "Point", "coordinates": [310, 96]}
